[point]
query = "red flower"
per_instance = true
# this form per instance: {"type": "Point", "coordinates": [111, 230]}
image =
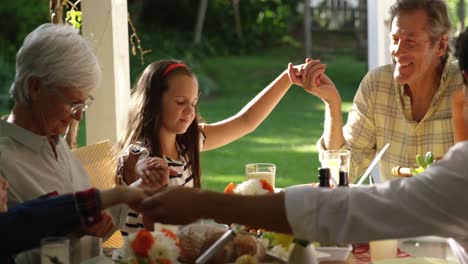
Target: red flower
{"type": "Point", "coordinates": [230, 188]}
{"type": "Point", "coordinates": [171, 235]}
{"type": "Point", "coordinates": [266, 186]}
{"type": "Point", "coordinates": [144, 240]}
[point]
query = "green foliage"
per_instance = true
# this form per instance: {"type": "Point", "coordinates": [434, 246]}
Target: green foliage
{"type": "Point", "coordinates": [265, 23]}
{"type": "Point", "coordinates": [74, 18]}
{"type": "Point", "coordinates": [453, 10]}
{"type": "Point", "coordinates": [20, 17]}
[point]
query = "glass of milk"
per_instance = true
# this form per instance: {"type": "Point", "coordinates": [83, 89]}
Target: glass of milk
{"type": "Point", "coordinates": [265, 171]}
{"type": "Point", "coordinates": [55, 250]}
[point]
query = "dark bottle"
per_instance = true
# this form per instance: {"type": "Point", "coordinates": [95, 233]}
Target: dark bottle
{"type": "Point", "coordinates": [343, 179]}
{"type": "Point", "coordinates": [324, 177]}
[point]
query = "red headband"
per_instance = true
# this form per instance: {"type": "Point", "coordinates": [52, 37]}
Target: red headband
{"type": "Point", "coordinates": [172, 67]}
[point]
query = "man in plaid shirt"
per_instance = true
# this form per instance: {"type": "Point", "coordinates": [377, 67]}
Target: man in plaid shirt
{"type": "Point", "coordinates": [406, 103]}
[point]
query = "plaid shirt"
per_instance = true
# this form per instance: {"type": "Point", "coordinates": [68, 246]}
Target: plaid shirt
{"type": "Point", "coordinates": [381, 113]}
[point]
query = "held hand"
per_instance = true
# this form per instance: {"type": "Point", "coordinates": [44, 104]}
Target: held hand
{"type": "Point", "coordinates": [296, 72]}
{"type": "Point", "coordinates": [153, 171]}
{"type": "Point", "coordinates": [163, 206]}
{"type": "Point", "coordinates": [314, 80]}
{"type": "Point", "coordinates": [102, 228]}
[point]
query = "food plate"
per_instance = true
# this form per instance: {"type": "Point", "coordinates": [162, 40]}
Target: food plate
{"type": "Point", "coordinates": [335, 253]}
{"type": "Point", "coordinates": [413, 261]}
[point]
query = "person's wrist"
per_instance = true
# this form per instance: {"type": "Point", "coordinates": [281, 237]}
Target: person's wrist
{"type": "Point", "coordinates": [333, 102]}
{"type": "Point", "coordinates": [285, 77]}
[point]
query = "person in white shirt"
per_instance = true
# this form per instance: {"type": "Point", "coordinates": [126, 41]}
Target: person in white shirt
{"type": "Point", "coordinates": [431, 203]}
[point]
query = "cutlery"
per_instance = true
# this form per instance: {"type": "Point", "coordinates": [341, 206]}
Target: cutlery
{"type": "Point", "coordinates": [217, 245]}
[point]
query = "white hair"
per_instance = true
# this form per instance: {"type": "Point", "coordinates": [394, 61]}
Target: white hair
{"type": "Point", "coordinates": [57, 55]}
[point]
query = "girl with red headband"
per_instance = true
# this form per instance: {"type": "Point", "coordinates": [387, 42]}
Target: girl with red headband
{"type": "Point", "coordinates": [163, 118]}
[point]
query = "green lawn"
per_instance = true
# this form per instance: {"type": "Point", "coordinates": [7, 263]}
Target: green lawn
{"type": "Point", "coordinates": [288, 136]}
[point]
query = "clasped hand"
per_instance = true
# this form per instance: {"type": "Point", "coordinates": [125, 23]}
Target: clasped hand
{"type": "Point", "coordinates": [153, 171]}
{"type": "Point", "coordinates": [311, 76]}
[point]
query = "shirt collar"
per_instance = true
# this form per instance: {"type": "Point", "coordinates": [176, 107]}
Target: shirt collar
{"type": "Point", "coordinates": [23, 136]}
{"type": "Point", "coordinates": [448, 68]}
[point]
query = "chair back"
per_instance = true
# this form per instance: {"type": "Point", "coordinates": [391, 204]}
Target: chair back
{"type": "Point", "coordinates": [98, 163]}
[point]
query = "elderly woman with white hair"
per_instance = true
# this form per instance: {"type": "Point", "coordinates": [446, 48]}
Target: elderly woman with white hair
{"type": "Point", "coordinates": [56, 71]}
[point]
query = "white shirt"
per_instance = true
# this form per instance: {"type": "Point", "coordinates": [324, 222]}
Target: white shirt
{"type": "Point", "coordinates": [28, 163]}
{"type": "Point", "coordinates": [434, 202]}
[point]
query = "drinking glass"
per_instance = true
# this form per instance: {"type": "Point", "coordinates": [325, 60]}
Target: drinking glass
{"type": "Point", "coordinates": [55, 250]}
{"type": "Point", "coordinates": [383, 249]}
{"type": "Point", "coordinates": [336, 161]}
{"type": "Point", "coordinates": [265, 171]}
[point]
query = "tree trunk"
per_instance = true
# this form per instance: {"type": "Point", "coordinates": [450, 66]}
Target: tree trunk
{"type": "Point", "coordinates": [461, 14]}
{"type": "Point", "coordinates": [200, 21]}
{"type": "Point", "coordinates": [237, 19]}
{"type": "Point", "coordinates": [56, 11]}
{"type": "Point", "coordinates": [307, 29]}
{"type": "Point", "coordinates": [360, 29]}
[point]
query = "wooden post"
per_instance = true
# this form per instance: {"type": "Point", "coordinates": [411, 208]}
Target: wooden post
{"type": "Point", "coordinates": [105, 27]}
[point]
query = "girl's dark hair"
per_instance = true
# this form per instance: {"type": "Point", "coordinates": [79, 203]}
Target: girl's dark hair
{"type": "Point", "coordinates": [144, 118]}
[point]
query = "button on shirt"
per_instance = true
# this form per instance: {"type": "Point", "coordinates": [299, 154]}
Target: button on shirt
{"type": "Point", "coordinates": [381, 114]}
{"type": "Point", "coordinates": [28, 163]}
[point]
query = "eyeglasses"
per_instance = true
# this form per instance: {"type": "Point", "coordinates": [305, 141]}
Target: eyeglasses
{"type": "Point", "coordinates": [75, 108]}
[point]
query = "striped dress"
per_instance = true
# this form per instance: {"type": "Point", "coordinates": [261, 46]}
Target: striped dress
{"type": "Point", "coordinates": [183, 178]}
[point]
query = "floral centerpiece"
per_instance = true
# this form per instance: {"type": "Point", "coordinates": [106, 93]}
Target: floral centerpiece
{"type": "Point", "coordinates": [144, 247]}
{"type": "Point", "coordinates": [277, 244]}
{"type": "Point", "coordinates": [250, 187]}
{"type": "Point", "coordinates": [423, 163]}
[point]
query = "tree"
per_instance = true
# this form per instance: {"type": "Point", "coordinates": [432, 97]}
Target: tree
{"type": "Point", "coordinates": [237, 18]}
{"type": "Point", "coordinates": [307, 29]}
{"type": "Point", "coordinates": [461, 13]}
{"type": "Point", "coordinates": [200, 21]}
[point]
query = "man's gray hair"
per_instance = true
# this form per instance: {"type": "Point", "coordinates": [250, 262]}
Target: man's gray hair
{"type": "Point", "coordinates": [57, 55]}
